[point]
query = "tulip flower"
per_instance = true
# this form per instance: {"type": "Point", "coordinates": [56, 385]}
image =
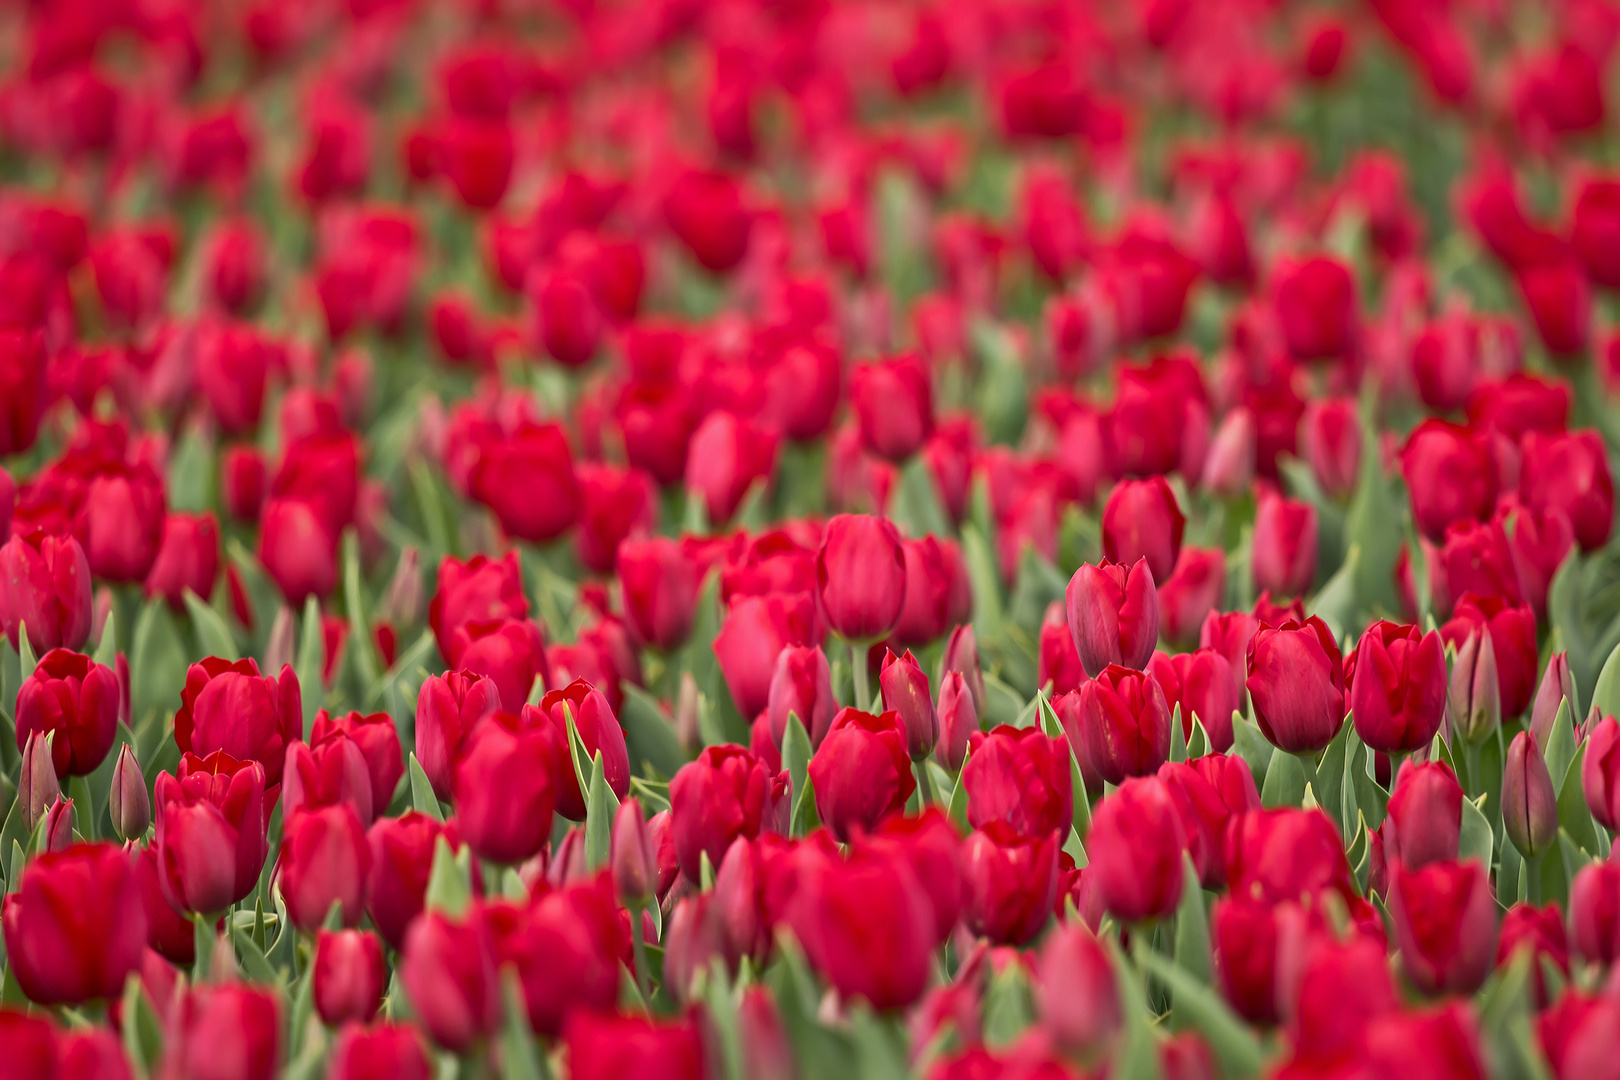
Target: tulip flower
{"type": "Point", "coordinates": [962, 655]}
{"type": "Point", "coordinates": [402, 852]}
{"type": "Point", "coordinates": [958, 721]}
{"type": "Point", "coordinates": [861, 577]}
{"type": "Point", "coordinates": [1423, 823]}
{"type": "Point", "coordinates": [1529, 802]}
{"type": "Point", "coordinates": [1538, 931]}
{"type": "Point", "coordinates": [714, 800]}
{"type": "Point", "coordinates": [1205, 809]}
{"type": "Point", "coordinates": [1075, 992]}
{"type": "Point", "coordinates": [1142, 521]}
{"type": "Point", "coordinates": [349, 976]}
{"type": "Point", "coordinates": [1124, 724]}
{"type": "Point", "coordinates": [75, 927]}
{"type": "Point", "coordinates": [45, 585]}
{"type": "Point", "coordinates": [612, 1047]}
{"type": "Point", "coordinates": [1113, 614]}
{"type": "Point", "coordinates": [1201, 683]}
{"type": "Point", "coordinates": [801, 686]}
{"type": "Point", "coordinates": [77, 699]}
{"type": "Point", "coordinates": [862, 772]}
{"type": "Point", "coordinates": [1330, 441]}
{"type": "Point", "coordinates": [506, 783]}
{"type": "Point", "coordinates": [1398, 698]}
{"type": "Point", "coordinates": [478, 590]}
{"type": "Point", "coordinates": [1600, 772]}
{"type": "Point", "coordinates": [660, 587]}
{"type": "Point", "coordinates": [1191, 592]}
{"type": "Point", "coordinates": [598, 731]}
{"type": "Point", "coordinates": [129, 805]}
{"type": "Point", "coordinates": [325, 860]}
{"type": "Point", "coordinates": [565, 948]}
{"type": "Point", "coordinates": [905, 691]}
{"type": "Point", "coordinates": [1283, 558]}
{"type": "Point", "coordinates": [1284, 854]}
{"type": "Point", "coordinates": [1594, 912]}
{"type": "Point", "coordinates": [1135, 843]}
{"type": "Point", "coordinates": [1450, 475]}
{"type": "Point", "coordinates": [378, 741]}
{"type": "Point", "coordinates": [297, 550]}
{"type": "Point", "coordinates": [1512, 630]}
{"type": "Point", "coordinates": [1244, 933]}
{"type": "Point", "coordinates": [528, 481]}
{"type": "Point", "coordinates": [1009, 881]}
{"type": "Point", "coordinates": [448, 971]}
{"type": "Point", "coordinates": [1019, 776]}
{"type": "Point", "coordinates": [210, 831]}
{"type": "Point", "coordinates": [447, 708]}
{"type": "Point", "coordinates": [1296, 681]}
{"type": "Point", "coordinates": [1557, 686]}
{"type": "Point", "coordinates": [230, 1028]}
{"type": "Point", "coordinates": [756, 631]}
{"type": "Point", "coordinates": [894, 406]}
{"type": "Point", "coordinates": [1445, 925]}
{"type": "Point", "coordinates": [1569, 473]}
{"type": "Point", "coordinates": [367, 1053]}
{"type": "Point", "coordinates": [511, 653]}
{"type": "Point", "coordinates": [231, 707]}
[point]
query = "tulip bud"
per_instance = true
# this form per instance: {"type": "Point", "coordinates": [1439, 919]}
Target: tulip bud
{"type": "Point", "coordinates": [861, 576]}
{"type": "Point", "coordinates": [1142, 520]}
{"type": "Point", "coordinates": [1296, 682]}
{"type": "Point", "coordinates": [1019, 776]}
{"type": "Point", "coordinates": [905, 691]}
{"type": "Point", "coordinates": [1529, 804]}
{"type": "Point", "coordinates": [1009, 883]}
{"type": "Point", "coordinates": [1445, 925]}
{"type": "Point", "coordinates": [801, 686]}
{"type": "Point", "coordinates": [1124, 724]}
{"type": "Point", "coordinates": [1136, 843]}
{"type": "Point", "coordinates": [1594, 912]}
{"type": "Point", "coordinates": [1284, 546]}
{"type": "Point", "coordinates": [1075, 992]}
{"type": "Point", "coordinates": [633, 859]}
{"type": "Point", "coordinates": [129, 804]}
{"type": "Point", "coordinates": [1230, 464]}
{"type": "Point", "coordinates": [1113, 614]}
{"type": "Point", "coordinates": [278, 650]}
{"type": "Point", "coordinates": [958, 720]}
{"type": "Point", "coordinates": [1600, 771]}
{"type": "Point", "coordinates": [1424, 820]}
{"type": "Point", "coordinates": [962, 654]}
{"type": "Point", "coordinates": [349, 976]}
{"type": "Point", "coordinates": [37, 786]}
{"type": "Point", "coordinates": [1398, 698]}
{"type": "Point", "coordinates": [1475, 697]}
{"type": "Point", "coordinates": [59, 825]}
{"type": "Point", "coordinates": [1557, 686]}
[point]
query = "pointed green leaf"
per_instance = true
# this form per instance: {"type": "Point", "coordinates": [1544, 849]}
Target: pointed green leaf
{"type": "Point", "coordinates": [796, 752]}
{"type": "Point", "coordinates": [1137, 1057]}
{"type": "Point", "coordinates": [805, 817]}
{"type": "Point", "coordinates": [1235, 1047]}
{"type": "Point", "coordinates": [601, 804]}
{"type": "Point", "coordinates": [577, 754]}
{"type": "Point", "coordinates": [361, 647]}
{"type": "Point", "coordinates": [1328, 783]}
{"type": "Point", "coordinates": [519, 1059]}
{"type": "Point", "coordinates": [308, 664]}
{"type": "Point", "coordinates": [26, 660]}
{"type": "Point", "coordinates": [1285, 781]}
{"type": "Point", "coordinates": [648, 734]}
{"type": "Point", "coordinates": [1178, 735]}
{"type": "Point", "coordinates": [213, 636]}
{"type": "Point", "coordinates": [205, 937]}
{"type": "Point", "coordinates": [1009, 1006]}
{"type": "Point", "coordinates": [254, 963]}
{"type": "Point", "coordinates": [1606, 691]}
{"type": "Point", "coordinates": [142, 1031]}
{"type": "Point", "coordinates": [1199, 745]}
{"type": "Point", "coordinates": [1574, 816]}
{"type": "Point", "coordinates": [1252, 747]}
{"type": "Point", "coordinates": [422, 798]}
{"type": "Point", "coordinates": [1476, 840]}
{"type": "Point", "coordinates": [1560, 746]}
{"type": "Point", "coordinates": [107, 647]}
{"type": "Point", "coordinates": [1192, 925]}
{"type": "Point", "coordinates": [959, 797]}
{"type": "Point", "coordinates": [450, 881]}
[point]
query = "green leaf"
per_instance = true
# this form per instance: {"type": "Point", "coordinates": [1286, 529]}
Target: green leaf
{"type": "Point", "coordinates": [1178, 735]}
{"type": "Point", "coordinates": [205, 938]}
{"type": "Point", "coordinates": [915, 506]}
{"type": "Point", "coordinates": [307, 665]}
{"type": "Point", "coordinates": [1285, 781]}
{"type": "Point", "coordinates": [430, 502]}
{"type": "Point", "coordinates": [578, 756]}
{"type": "Point", "coordinates": [107, 647]}
{"type": "Point", "coordinates": [1606, 692]}
{"type": "Point", "coordinates": [1192, 925]}
{"type": "Point", "coordinates": [142, 1031]}
{"type": "Point", "coordinates": [519, 1060]}
{"type": "Point", "coordinates": [1199, 744]}
{"type": "Point", "coordinates": [407, 663]}
{"type": "Point", "coordinates": [959, 797]}
{"type": "Point", "coordinates": [1328, 783]}
{"type": "Point", "coordinates": [450, 881]}
{"type": "Point", "coordinates": [254, 963]}
{"type": "Point", "coordinates": [361, 646]}
{"type": "Point", "coordinates": [19, 863]}
{"type": "Point", "coordinates": [805, 818]}
{"type": "Point", "coordinates": [1003, 704]}
{"type": "Point", "coordinates": [1574, 816]}
{"type": "Point", "coordinates": [722, 1014]}
{"type": "Point", "coordinates": [1200, 1008]}
{"type": "Point", "coordinates": [1009, 1006]}
{"type": "Point", "coordinates": [422, 797]}
{"type": "Point", "coordinates": [1560, 746]}
{"type": "Point", "coordinates": [796, 752]}
{"type": "Point", "coordinates": [1252, 747]}
{"type": "Point", "coordinates": [648, 735]}
{"type": "Point", "coordinates": [1476, 840]}
{"type": "Point", "coordinates": [601, 804]}
{"type": "Point", "coordinates": [1137, 1057]}
{"type": "Point", "coordinates": [213, 636]}
{"type": "Point", "coordinates": [1370, 798]}
{"type": "Point", "coordinates": [26, 660]}
{"type": "Point", "coordinates": [986, 581]}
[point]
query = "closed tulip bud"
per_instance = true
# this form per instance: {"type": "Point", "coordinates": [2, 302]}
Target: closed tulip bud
{"type": "Point", "coordinates": [1009, 882]}
{"type": "Point", "coordinates": [866, 926]}
{"type": "Point", "coordinates": [128, 803]}
{"type": "Point", "coordinates": [1143, 521]}
{"type": "Point", "coordinates": [1230, 465]}
{"type": "Point", "coordinates": [1600, 771]}
{"type": "Point", "coordinates": [1474, 697]}
{"type": "Point", "coordinates": [766, 1051]}
{"type": "Point", "coordinates": [1075, 992]}
{"type": "Point", "coordinates": [448, 971]}
{"type": "Point", "coordinates": [1113, 613]}
{"type": "Point", "coordinates": [77, 699]}
{"type": "Point", "coordinates": [1124, 724]}
{"type": "Point", "coordinates": [1284, 546]}
{"type": "Point", "coordinates": [297, 550]}
{"type": "Point", "coordinates": [729, 455]}
{"type": "Point", "coordinates": [1529, 804]}
{"type": "Point", "coordinates": [188, 559]}
{"type": "Point", "coordinates": [1424, 820]}
{"type": "Point", "coordinates": [659, 584]}
{"type": "Point", "coordinates": [962, 654]}
{"type": "Point", "coordinates": [45, 585]}
{"type": "Point", "coordinates": [349, 976]}
{"type": "Point", "coordinates": [1512, 630]}
{"type": "Point", "coordinates": [708, 213]}
{"type": "Point", "coordinates": [714, 800]}
{"type": "Point", "coordinates": [633, 859]}
{"type": "Point", "coordinates": [1191, 594]}
{"type": "Point", "coordinates": [860, 576]}
{"type": "Point", "coordinates": [1594, 912]}
{"type": "Point", "coordinates": [506, 785]}
{"type": "Point", "coordinates": [218, 1026]}
{"type": "Point", "coordinates": [38, 788]}
{"type": "Point", "coordinates": [57, 826]}
{"type": "Point", "coordinates": [1244, 934]}
{"type": "Point", "coordinates": [894, 406]}
{"type": "Point", "coordinates": [1557, 686]}
{"type": "Point", "coordinates": [958, 721]}
{"type": "Point", "coordinates": [1398, 698]}
{"type": "Point", "coordinates": [1445, 924]}
{"type": "Point", "coordinates": [905, 691]}
{"type": "Point", "coordinates": [1135, 843]}
{"type": "Point", "coordinates": [325, 860]}
{"type": "Point", "coordinates": [694, 937]}
{"type": "Point", "coordinates": [379, 1052]}
{"type": "Point", "coordinates": [527, 480]}
{"type": "Point", "coordinates": [1330, 439]}
{"type": "Point", "coordinates": [75, 926]}
{"type": "Point", "coordinates": [447, 708]}
{"type": "Point", "coordinates": [1019, 776]}
{"type": "Point", "coordinates": [1296, 681]}
{"type": "Point", "coordinates": [861, 773]}
{"type": "Point", "coordinates": [802, 687]}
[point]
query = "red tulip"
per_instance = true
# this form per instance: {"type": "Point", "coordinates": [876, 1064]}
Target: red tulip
{"type": "Point", "coordinates": [210, 840]}
{"type": "Point", "coordinates": [714, 800]}
{"type": "Point", "coordinates": [1124, 724]}
{"type": "Point", "coordinates": [1398, 698]}
{"type": "Point", "coordinates": [936, 587]}
{"type": "Point", "coordinates": [894, 406]}
{"type": "Point", "coordinates": [1424, 820]}
{"type": "Point", "coordinates": [381, 1052]}
{"type": "Point", "coordinates": [1193, 590]}
{"type": "Point", "coordinates": [478, 590]}
{"type": "Point", "coordinates": [1316, 309]}
{"type": "Point", "coordinates": [75, 927]}
{"type": "Point", "coordinates": [1244, 933]}
{"type": "Point", "coordinates": [1540, 932]}
{"type": "Point", "coordinates": [1296, 679]}
{"type": "Point", "coordinates": [801, 686]}
{"type": "Point", "coordinates": [613, 1047]}
{"type": "Point", "coordinates": [905, 691]}
{"type": "Point", "coordinates": [1019, 776]}
{"type": "Point", "coordinates": [506, 783]}
{"type": "Point", "coordinates": [527, 479]}
{"type": "Point", "coordinates": [1208, 792]}
{"type": "Point", "coordinates": [402, 851]}
{"type": "Point", "coordinates": [231, 707]}
{"type": "Point", "coordinates": [861, 772]}
{"type": "Point", "coordinates": [1285, 854]}
{"type": "Point", "coordinates": [1009, 882]}
{"type": "Point", "coordinates": [1201, 683]}
{"type": "Point", "coordinates": [1445, 925]}
{"type": "Point", "coordinates": [1284, 546]}
{"type": "Point", "coordinates": [76, 698]}
{"type": "Point", "coordinates": [510, 653]}
{"type": "Point", "coordinates": [349, 976]}
{"type": "Point", "coordinates": [1570, 473]}
{"type": "Point", "coordinates": [565, 948]}
{"type": "Point", "coordinates": [1113, 614]}
{"type": "Point", "coordinates": [448, 971]}
{"type": "Point", "coordinates": [297, 550]}
{"type": "Point", "coordinates": [1594, 912]}
{"type": "Point", "coordinates": [325, 860]}
{"type": "Point", "coordinates": [707, 213]}
{"type": "Point", "coordinates": [1135, 842]}
{"type": "Point", "coordinates": [659, 585]}
{"type": "Point", "coordinates": [1330, 439]}
{"type": "Point", "coordinates": [22, 377]}
{"type": "Point", "coordinates": [45, 584]}
{"type": "Point", "coordinates": [1450, 476]}
{"type": "Point", "coordinates": [729, 455]}
{"type": "Point", "coordinates": [861, 577]}
{"type": "Point", "coordinates": [242, 482]}
{"type": "Point", "coordinates": [447, 707]}
{"type": "Point", "coordinates": [756, 631]}
{"type": "Point", "coordinates": [1600, 772]}
{"type": "Point", "coordinates": [598, 731]}
{"type": "Point", "coordinates": [1142, 521]}
{"type": "Point", "coordinates": [224, 1029]}
{"type": "Point", "coordinates": [1512, 632]}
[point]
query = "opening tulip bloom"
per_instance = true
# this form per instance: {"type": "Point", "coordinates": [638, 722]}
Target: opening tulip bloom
{"type": "Point", "coordinates": [1296, 681]}
{"type": "Point", "coordinates": [75, 927]}
{"type": "Point", "coordinates": [1113, 613]}
{"type": "Point", "coordinates": [1398, 697]}
{"type": "Point", "coordinates": [714, 800]}
{"type": "Point", "coordinates": [45, 585]}
{"type": "Point", "coordinates": [1424, 819]}
{"type": "Point", "coordinates": [1124, 724]}
{"type": "Point", "coordinates": [78, 699]}
{"type": "Point", "coordinates": [1445, 924]}
{"type": "Point", "coordinates": [229, 706]}
{"type": "Point", "coordinates": [1135, 842]}
{"type": "Point", "coordinates": [861, 772]}
{"type": "Point", "coordinates": [1019, 776]}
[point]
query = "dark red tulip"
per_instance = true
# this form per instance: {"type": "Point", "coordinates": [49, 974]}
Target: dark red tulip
{"type": "Point", "coordinates": [1424, 820]}
{"type": "Point", "coordinates": [1284, 854]}
{"type": "Point", "coordinates": [1445, 925]}
{"type": "Point", "coordinates": [567, 323]}
{"type": "Point", "coordinates": [1009, 880]}
{"type": "Point", "coordinates": [801, 686]}
{"type": "Point", "coordinates": [188, 559]}
{"type": "Point", "coordinates": [1124, 724]}
{"type": "Point", "coordinates": [242, 482]}
{"type": "Point", "coordinates": [1316, 309]}
{"type": "Point", "coordinates": [1450, 475]}
{"type": "Point", "coordinates": [1244, 933]}
{"type": "Point", "coordinates": [565, 948]}
{"type": "Point", "coordinates": [505, 784]}
{"type": "Point", "coordinates": [478, 158]}
{"type": "Point", "coordinates": [714, 800]}
{"type": "Point", "coordinates": [861, 576]}
{"type": "Point", "coordinates": [1529, 800]}
{"type": "Point", "coordinates": [325, 860]}
{"type": "Point", "coordinates": [297, 550]}
{"type": "Point", "coordinates": [1538, 931]}
{"type": "Point", "coordinates": [229, 706]}
{"type": "Point", "coordinates": [210, 839]}
{"type": "Point", "coordinates": [1296, 680]}
{"type": "Point", "coordinates": [609, 1046]}
{"type": "Point", "coordinates": [527, 479]}
{"type": "Point", "coordinates": [1113, 613]}
{"type": "Point", "coordinates": [659, 584]}
{"type": "Point", "coordinates": [756, 631]}
{"type": "Point", "coordinates": [349, 976]}
{"type": "Point", "coordinates": [1193, 590]}
{"type": "Point", "coordinates": [380, 1052]}
{"type": "Point", "coordinates": [1142, 520]}
{"type": "Point", "coordinates": [75, 927]}
{"type": "Point", "coordinates": [1058, 664]}
{"type": "Point", "coordinates": [224, 1029]}
{"type": "Point", "coordinates": [1229, 634]}
{"type": "Point", "coordinates": [331, 772]}
{"type": "Point", "coordinates": [78, 699]}
{"type": "Point", "coordinates": [448, 971]}
{"type": "Point", "coordinates": [614, 504]}
{"type": "Point", "coordinates": [1207, 795]}
{"type": "Point", "coordinates": [1512, 631]}
{"type": "Point", "coordinates": [22, 377]}
{"type": "Point", "coordinates": [906, 692]}
{"type": "Point", "coordinates": [1201, 683]}
{"type": "Point", "coordinates": [1398, 698]}
{"type": "Point", "coordinates": [894, 406]}
{"type": "Point", "coordinates": [599, 732]}
{"type": "Point", "coordinates": [478, 590]}
{"type": "Point", "coordinates": [447, 707]}
{"type": "Point", "coordinates": [935, 576]}
{"type": "Point", "coordinates": [1019, 776]}
{"type": "Point", "coordinates": [1570, 473]}
{"type": "Point", "coordinates": [730, 454]}
{"type": "Point", "coordinates": [861, 772]}
{"type": "Point", "coordinates": [708, 214]}
{"type": "Point", "coordinates": [402, 851]}
{"type": "Point", "coordinates": [45, 585]}
{"type": "Point", "coordinates": [510, 653]}
{"type": "Point", "coordinates": [378, 741]}
{"type": "Point", "coordinates": [1594, 912]}
{"type": "Point", "coordinates": [1284, 546]}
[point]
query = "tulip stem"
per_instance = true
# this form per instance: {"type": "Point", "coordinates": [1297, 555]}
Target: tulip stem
{"type": "Point", "coordinates": [640, 954]}
{"type": "Point", "coordinates": [857, 668]}
{"type": "Point", "coordinates": [1532, 870]}
{"type": "Point", "coordinates": [925, 784]}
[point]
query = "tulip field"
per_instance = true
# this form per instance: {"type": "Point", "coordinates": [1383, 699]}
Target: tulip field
{"type": "Point", "coordinates": [809, 539]}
